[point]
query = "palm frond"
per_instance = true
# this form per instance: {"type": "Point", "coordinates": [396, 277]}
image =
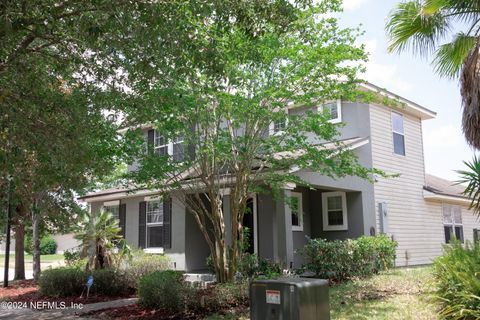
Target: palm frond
{"type": "Point", "coordinates": [449, 57]}
{"type": "Point", "coordinates": [411, 27]}
{"type": "Point", "coordinates": [471, 177]}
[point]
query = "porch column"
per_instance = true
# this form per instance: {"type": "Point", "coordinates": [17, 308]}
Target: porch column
{"type": "Point", "coordinates": [227, 216]}
{"type": "Point", "coordinates": [284, 237]}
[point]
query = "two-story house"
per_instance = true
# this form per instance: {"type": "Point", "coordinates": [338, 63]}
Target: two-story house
{"type": "Point", "coordinates": [419, 211]}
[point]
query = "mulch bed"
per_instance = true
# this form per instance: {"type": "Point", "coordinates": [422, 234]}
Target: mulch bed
{"type": "Point", "coordinates": [137, 312]}
{"type": "Point", "coordinates": [27, 291]}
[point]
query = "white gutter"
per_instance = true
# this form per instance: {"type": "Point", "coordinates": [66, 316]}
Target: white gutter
{"type": "Point", "coordinates": [430, 196]}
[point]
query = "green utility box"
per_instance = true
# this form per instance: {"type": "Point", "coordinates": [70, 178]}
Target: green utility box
{"type": "Point", "coordinates": [289, 299]}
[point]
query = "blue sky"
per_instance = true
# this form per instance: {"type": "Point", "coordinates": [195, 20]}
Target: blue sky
{"type": "Point", "coordinates": [412, 77]}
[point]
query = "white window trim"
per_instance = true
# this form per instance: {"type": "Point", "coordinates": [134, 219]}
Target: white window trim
{"type": "Point", "coordinates": [339, 111]}
{"type": "Point", "coordinates": [325, 196]}
{"type": "Point", "coordinates": [298, 195]}
{"type": "Point", "coordinates": [151, 224]}
{"type": "Point", "coordinates": [453, 224]}
{"type": "Point", "coordinates": [271, 128]}
{"type": "Point", "coordinates": [397, 132]}
{"type": "Point", "coordinates": [169, 143]}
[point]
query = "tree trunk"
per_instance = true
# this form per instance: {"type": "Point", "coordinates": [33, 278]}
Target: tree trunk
{"type": "Point", "coordinates": [36, 243]}
{"type": "Point", "coordinates": [19, 251]}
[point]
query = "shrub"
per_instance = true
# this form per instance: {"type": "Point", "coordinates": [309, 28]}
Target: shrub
{"type": "Point", "coordinates": [340, 260]}
{"type": "Point", "coordinates": [62, 282]}
{"type": "Point", "coordinates": [48, 245]}
{"type": "Point", "coordinates": [228, 295]}
{"type": "Point", "coordinates": [456, 276]}
{"type": "Point", "coordinates": [252, 266]}
{"type": "Point", "coordinates": [70, 281]}
{"type": "Point", "coordinates": [163, 290]}
{"type": "Point", "coordinates": [141, 265]}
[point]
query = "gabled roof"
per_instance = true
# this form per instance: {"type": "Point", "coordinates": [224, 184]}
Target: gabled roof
{"type": "Point", "coordinates": [439, 189]}
{"type": "Point", "coordinates": [408, 105]}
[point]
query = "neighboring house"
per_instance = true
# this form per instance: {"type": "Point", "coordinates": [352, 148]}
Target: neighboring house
{"type": "Point", "coordinates": [417, 210]}
{"type": "Point", "coordinates": [64, 242]}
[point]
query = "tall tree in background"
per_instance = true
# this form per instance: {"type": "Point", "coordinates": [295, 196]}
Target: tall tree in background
{"type": "Point", "coordinates": [221, 124]}
{"type": "Point", "coordinates": [427, 27]}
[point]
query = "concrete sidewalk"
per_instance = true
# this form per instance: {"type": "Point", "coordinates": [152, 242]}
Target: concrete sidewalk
{"type": "Point", "coordinates": [69, 313]}
{"type": "Point", "coordinates": [11, 272]}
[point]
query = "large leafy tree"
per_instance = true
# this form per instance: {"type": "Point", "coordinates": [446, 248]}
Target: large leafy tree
{"type": "Point", "coordinates": [450, 30]}
{"type": "Point", "coordinates": [220, 123]}
{"type": "Point", "coordinates": [63, 63]}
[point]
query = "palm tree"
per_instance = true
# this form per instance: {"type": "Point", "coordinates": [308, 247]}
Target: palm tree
{"type": "Point", "coordinates": [471, 178]}
{"type": "Point", "coordinates": [424, 26]}
{"type": "Point", "coordinates": [98, 234]}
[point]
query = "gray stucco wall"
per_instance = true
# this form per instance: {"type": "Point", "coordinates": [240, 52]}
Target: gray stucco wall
{"type": "Point", "coordinates": [177, 252]}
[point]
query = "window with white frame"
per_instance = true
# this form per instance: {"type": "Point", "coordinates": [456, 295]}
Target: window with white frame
{"type": "Point", "coordinates": [452, 223]}
{"type": "Point", "coordinates": [160, 144]}
{"type": "Point", "coordinates": [154, 225]}
{"type": "Point", "coordinates": [175, 148]}
{"type": "Point", "coordinates": [178, 148]}
{"type": "Point", "coordinates": [334, 211]}
{"type": "Point", "coordinates": [297, 211]}
{"type": "Point", "coordinates": [113, 209]}
{"type": "Point", "coordinates": [333, 111]}
{"type": "Point", "coordinates": [398, 134]}
{"type": "Point", "coordinates": [278, 126]}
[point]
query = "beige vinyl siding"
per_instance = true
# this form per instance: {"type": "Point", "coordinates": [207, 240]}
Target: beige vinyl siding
{"type": "Point", "coordinates": [415, 223]}
{"type": "Point", "coordinates": [410, 219]}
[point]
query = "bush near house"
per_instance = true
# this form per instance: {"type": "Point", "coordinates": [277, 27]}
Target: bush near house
{"type": "Point", "coordinates": [456, 276]}
{"type": "Point", "coordinates": [341, 260]}
{"type": "Point", "coordinates": [142, 264]}
{"type": "Point", "coordinates": [70, 281]}
{"type": "Point", "coordinates": [164, 290]}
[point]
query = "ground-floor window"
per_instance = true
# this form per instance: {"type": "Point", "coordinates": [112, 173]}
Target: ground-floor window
{"type": "Point", "coordinates": [452, 223]}
{"type": "Point", "coordinates": [297, 211]}
{"type": "Point", "coordinates": [114, 210]}
{"type": "Point", "coordinates": [154, 227]}
{"type": "Point", "coordinates": [334, 211]}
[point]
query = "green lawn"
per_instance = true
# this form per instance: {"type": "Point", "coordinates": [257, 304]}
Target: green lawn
{"type": "Point", "coordinates": [400, 294]}
{"type": "Point", "coordinates": [48, 260]}
{"type": "Point", "coordinates": [396, 294]}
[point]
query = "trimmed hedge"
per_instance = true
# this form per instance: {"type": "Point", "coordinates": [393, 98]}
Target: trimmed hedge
{"type": "Point", "coordinates": [457, 281]}
{"type": "Point", "coordinates": [164, 290]}
{"type": "Point", "coordinates": [141, 265]}
{"type": "Point", "coordinates": [70, 281]}
{"type": "Point", "coordinates": [340, 260]}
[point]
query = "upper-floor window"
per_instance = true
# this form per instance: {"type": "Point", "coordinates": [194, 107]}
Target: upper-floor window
{"type": "Point", "coordinates": [334, 211]}
{"type": "Point", "coordinates": [398, 134]}
{"type": "Point", "coordinates": [278, 126]}
{"type": "Point", "coordinates": [174, 148]}
{"type": "Point", "coordinates": [333, 110]}
{"type": "Point", "coordinates": [452, 223]}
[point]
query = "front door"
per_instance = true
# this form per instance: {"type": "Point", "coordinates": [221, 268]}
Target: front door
{"type": "Point", "coordinates": [249, 225]}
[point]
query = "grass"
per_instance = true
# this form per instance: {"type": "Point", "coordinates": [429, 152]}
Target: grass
{"type": "Point", "coordinates": [400, 294]}
{"type": "Point", "coordinates": [48, 259]}
{"type": "Point", "coordinates": [397, 294]}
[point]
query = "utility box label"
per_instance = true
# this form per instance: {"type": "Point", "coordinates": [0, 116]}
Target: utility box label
{"type": "Point", "coordinates": [273, 296]}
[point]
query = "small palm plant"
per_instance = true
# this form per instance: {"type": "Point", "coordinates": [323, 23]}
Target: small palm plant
{"type": "Point", "coordinates": [98, 235]}
{"type": "Point", "coordinates": [471, 177]}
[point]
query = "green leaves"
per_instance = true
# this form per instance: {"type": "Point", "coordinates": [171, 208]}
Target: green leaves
{"type": "Point", "coordinates": [471, 177]}
{"type": "Point", "coordinates": [449, 57]}
{"type": "Point", "coordinates": [409, 26]}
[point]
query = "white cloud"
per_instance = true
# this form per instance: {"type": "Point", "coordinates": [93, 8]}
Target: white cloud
{"type": "Point", "coordinates": [353, 4]}
{"type": "Point", "coordinates": [383, 75]}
